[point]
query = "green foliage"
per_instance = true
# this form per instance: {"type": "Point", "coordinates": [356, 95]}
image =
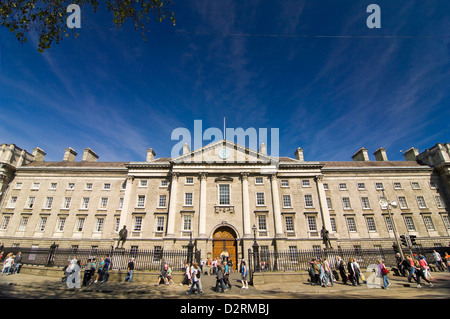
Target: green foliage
{"type": "Point", "coordinates": [48, 17]}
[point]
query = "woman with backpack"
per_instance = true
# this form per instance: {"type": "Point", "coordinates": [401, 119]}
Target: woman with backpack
{"type": "Point", "coordinates": [195, 275]}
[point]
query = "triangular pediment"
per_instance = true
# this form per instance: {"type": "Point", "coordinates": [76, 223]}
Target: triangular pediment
{"type": "Point", "coordinates": [225, 152]}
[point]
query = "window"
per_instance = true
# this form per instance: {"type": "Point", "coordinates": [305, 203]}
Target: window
{"type": "Point", "coordinates": [106, 186]}
{"type": "Point", "coordinates": [116, 225]}
{"type": "Point", "coordinates": [433, 185]}
{"type": "Point", "coordinates": [18, 185]}
{"type": "Point", "coordinates": [351, 224]}
{"type": "Point", "coordinates": [80, 224]}
{"type": "Point", "coordinates": [66, 203]}
{"type": "Point", "coordinates": [35, 186]}
{"type": "Point", "coordinates": [141, 201]}
{"type": "Point", "coordinates": [48, 203]}
{"type": "Point", "coordinates": [402, 202]}
{"type": "Point", "coordinates": [164, 183]}
{"type": "Point", "coordinates": [342, 186]}
{"type": "Point", "coordinates": [99, 224]}
{"type": "Point", "coordinates": [143, 183]}
{"type": "Point", "coordinates": [23, 223]}
{"type": "Point", "coordinates": [124, 185]}
{"type": "Point", "coordinates": [346, 203]}
{"type": "Point", "coordinates": [428, 222]}
{"type": "Point", "coordinates": [157, 253]}
{"type": "Point", "coordinates": [415, 185]}
{"type": "Point", "coordinates": [85, 203]}
{"type": "Point", "coordinates": [30, 202]}
{"type": "Point", "coordinates": [389, 223]}
{"type": "Point", "coordinates": [446, 221]}
{"type": "Point", "coordinates": [224, 194]}
{"type": "Point", "coordinates": [70, 186]}
{"type": "Point", "coordinates": [189, 180]}
{"type": "Point", "coordinates": [284, 183]}
{"type": "Point", "coordinates": [5, 222]}
{"type": "Point", "coordinates": [361, 186]}
{"type": "Point", "coordinates": [120, 203]}
{"type": "Point", "coordinates": [371, 224]}
{"type": "Point", "coordinates": [260, 199]}
{"type": "Point", "coordinates": [397, 185]}
{"type": "Point", "coordinates": [61, 223]}
{"type": "Point", "coordinates": [259, 181]}
{"type": "Point", "coordinates": [88, 186]}
{"type": "Point", "coordinates": [439, 202]}
{"type": "Point", "coordinates": [289, 220]}
{"type": "Point", "coordinates": [12, 202]}
{"type": "Point", "coordinates": [187, 222]}
{"type": "Point", "coordinates": [312, 225]}
{"type": "Point", "coordinates": [409, 223]}
{"type": "Point", "coordinates": [309, 201]}
{"type": "Point", "coordinates": [421, 202]}
{"type": "Point", "coordinates": [286, 201]}
{"type": "Point", "coordinates": [160, 223]}
{"type": "Point", "coordinates": [162, 201]}
{"type": "Point", "coordinates": [293, 254]}
{"type": "Point", "coordinates": [42, 223]}
{"type": "Point", "coordinates": [365, 203]}
{"type": "Point", "coordinates": [103, 202]}
{"type": "Point", "coordinates": [385, 200]}
{"type": "Point", "coordinates": [325, 186]}
{"type": "Point", "coordinates": [53, 185]}
{"type": "Point", "coordinates": [137, 223]}
{"type": "Point", "coordinates": [306, 183]}
{"type": "Point", "coordinates": [329, 204]}
{"type": "Point", "coordinates": [262, 225]}
{"type": "Point", "coordinates": [333, 224]}
{"type": "Point", "coordinates": [378, 186]}
{"type": "Point", "coordinates": [188, 199]}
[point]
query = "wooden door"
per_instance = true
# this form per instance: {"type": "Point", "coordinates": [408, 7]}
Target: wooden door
{"type": "Point", "coordinates": [225, 243]}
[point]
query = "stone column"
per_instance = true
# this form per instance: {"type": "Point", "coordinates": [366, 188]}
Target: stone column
{"type": "Point", "coordinates": [172, 206]}
{"type": "Point", "coordinates": [126, 203]}
{"type": "Point", "coordinates": [246, 206]}
{"type": "Point", "coordinates": [324, 212]}
{"type": "Point", "coordinates": [203, 199]}
{"type": "Point", "coordinates": [276, 207]}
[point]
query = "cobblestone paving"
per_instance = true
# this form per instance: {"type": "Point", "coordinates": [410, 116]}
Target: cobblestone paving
{"type": "Point", "coordinates": [24, 286]}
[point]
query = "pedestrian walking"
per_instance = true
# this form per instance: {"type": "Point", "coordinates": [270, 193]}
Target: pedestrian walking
{"type": "Point", "coordinates": [438, 260]}
{"type": "Point", "coordinates": [420, 274]}
{"type": "Point", "coordinates": [340, 264]}
{"type": "Point", "coordinates": [447, 261]}
{"type": "Point", "coordinates": [244, 274]}
{"type": "Point", "coordinates": [219, 280]}
{"type": "Point", "coordinates": [424, 266]}
{"type": "Point", "coordinates": [226, 274]}
{"type": "Point", "coordinates": [187, 276]}
{"type": "Point", "coordinates": [328, 271]}
{"type": "Point", "coordinates": [169, 275]}
{"type": "Point", "coordinates": [87, 272]}
{"type": "Point", "coordinates": [163, 274]}
{"type": "Point", "coordinates": [351, 271]}
{"type": "Point", "coordinates": [383, 273]}
{"type": "Point", "coordinates": [358, 273]}
{"type": "Point", "coordinates": [17, 263]}
{"type": "Point", "coordinates": [105, 269]}
{"type": "Point", "coordinates": [130, 270]}
{"type": "Point", "coordinates": [195, 275]}
{"type": "Point", "coordinates": [100, 270]}
{"type": "Point", "coordinates": [408, 265]}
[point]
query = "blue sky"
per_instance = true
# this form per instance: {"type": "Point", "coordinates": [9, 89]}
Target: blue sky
{"type": "Point", "coordinates": [312, 69]}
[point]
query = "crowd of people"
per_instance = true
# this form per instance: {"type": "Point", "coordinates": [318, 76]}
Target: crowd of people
{"type": "Point", "coordinates": [94, 272]}
{"type": "Point", "coordinates": [11, 263]}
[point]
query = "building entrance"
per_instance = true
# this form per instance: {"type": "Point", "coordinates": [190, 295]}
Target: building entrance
{"type": "Point", "coordinates": [225, 244]}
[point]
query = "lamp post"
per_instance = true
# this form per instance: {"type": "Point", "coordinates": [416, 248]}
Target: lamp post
{"type": "Point", "coordinates": [190, 249]}
{"type": "Point", "coordinates": [255, 250]}
{"type": "Point", "coordinates": [384, 202]}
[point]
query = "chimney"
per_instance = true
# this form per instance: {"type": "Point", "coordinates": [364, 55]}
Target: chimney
{"type": "Point", "coordinates": [89, 155]}
{"type": "Point", "coordinates": [186, 149]}
{"type": "Point", "coordinates": [69, 155]}
{"type": "Point", "coordinates": [411, 154]}
{"type": "Point", "coordinates": [263, 149]}
{"type": "Point", "coordinates": [150, 154]}
{"type": "Point", "coordinates": [361, 155]}
{"type": "Point", "coordinates": [299, 154]}
{"type": "Point", "coordinates": [380, 155]}
{"type": "Point", "coordinates": [38, 154]}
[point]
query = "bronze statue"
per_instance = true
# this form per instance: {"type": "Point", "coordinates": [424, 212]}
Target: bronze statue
{"type": "Point", "coordinates": [326, 237]}
{"type": "Point", "coordinates": [123, 233]}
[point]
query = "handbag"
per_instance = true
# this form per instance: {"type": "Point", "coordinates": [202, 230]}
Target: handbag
{"type": "Point", "coordinates": [385, 271]}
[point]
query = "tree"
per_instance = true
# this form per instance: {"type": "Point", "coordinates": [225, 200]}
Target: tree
{"type": "Point", "coordinates": [48, 17]}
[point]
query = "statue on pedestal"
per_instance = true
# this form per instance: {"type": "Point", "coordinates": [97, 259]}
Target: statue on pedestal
{"type": "Point", "coordinates": [326, 238]}
{"type": "Point", "coordinates": [123, 233]}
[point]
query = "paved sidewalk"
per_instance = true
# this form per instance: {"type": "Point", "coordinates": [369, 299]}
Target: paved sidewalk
{"type": "Point", "coordinates": [23, 286]}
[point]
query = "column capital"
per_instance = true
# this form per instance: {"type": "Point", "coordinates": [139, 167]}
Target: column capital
{"type": "Point", "coordinates": [273, 177]}
{"type": "Point", "coordinates": [175, 175]}
{"type": "Point", "coordinates": [203, 175]}
{"type": "Point", "coordinates": [244, 176]}
{"type": "Point", "coordinates": [318, 178]}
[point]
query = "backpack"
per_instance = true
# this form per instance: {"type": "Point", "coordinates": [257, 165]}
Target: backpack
{"type": "Point", "coordinates": [199, 273]}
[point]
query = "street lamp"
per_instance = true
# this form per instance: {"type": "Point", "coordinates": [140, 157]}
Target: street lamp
{"type": "Point", "coordinates": [255, 249]}
{"type": "Point", "coordinates": [384, 203]}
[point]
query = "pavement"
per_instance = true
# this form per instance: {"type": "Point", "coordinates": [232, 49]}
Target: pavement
{"type": "Point", "coordinates": [25, 286]}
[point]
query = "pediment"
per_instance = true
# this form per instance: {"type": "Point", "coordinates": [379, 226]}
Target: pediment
{"type": "Point", "coordinates": [225, 152]}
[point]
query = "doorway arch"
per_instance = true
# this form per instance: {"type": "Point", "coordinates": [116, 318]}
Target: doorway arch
{"type": "Point", "coordinates": [225, 243]}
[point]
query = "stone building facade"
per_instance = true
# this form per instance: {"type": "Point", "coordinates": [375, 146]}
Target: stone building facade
{"type": "Point", "coordinates": [223, 196]}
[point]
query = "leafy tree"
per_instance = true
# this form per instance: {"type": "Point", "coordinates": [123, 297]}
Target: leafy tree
{"type": "Point", "coordinates": [48, 17]}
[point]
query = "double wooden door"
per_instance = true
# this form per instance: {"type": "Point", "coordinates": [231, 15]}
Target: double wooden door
{"type": "Point", "coordinates": [224, 243]}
